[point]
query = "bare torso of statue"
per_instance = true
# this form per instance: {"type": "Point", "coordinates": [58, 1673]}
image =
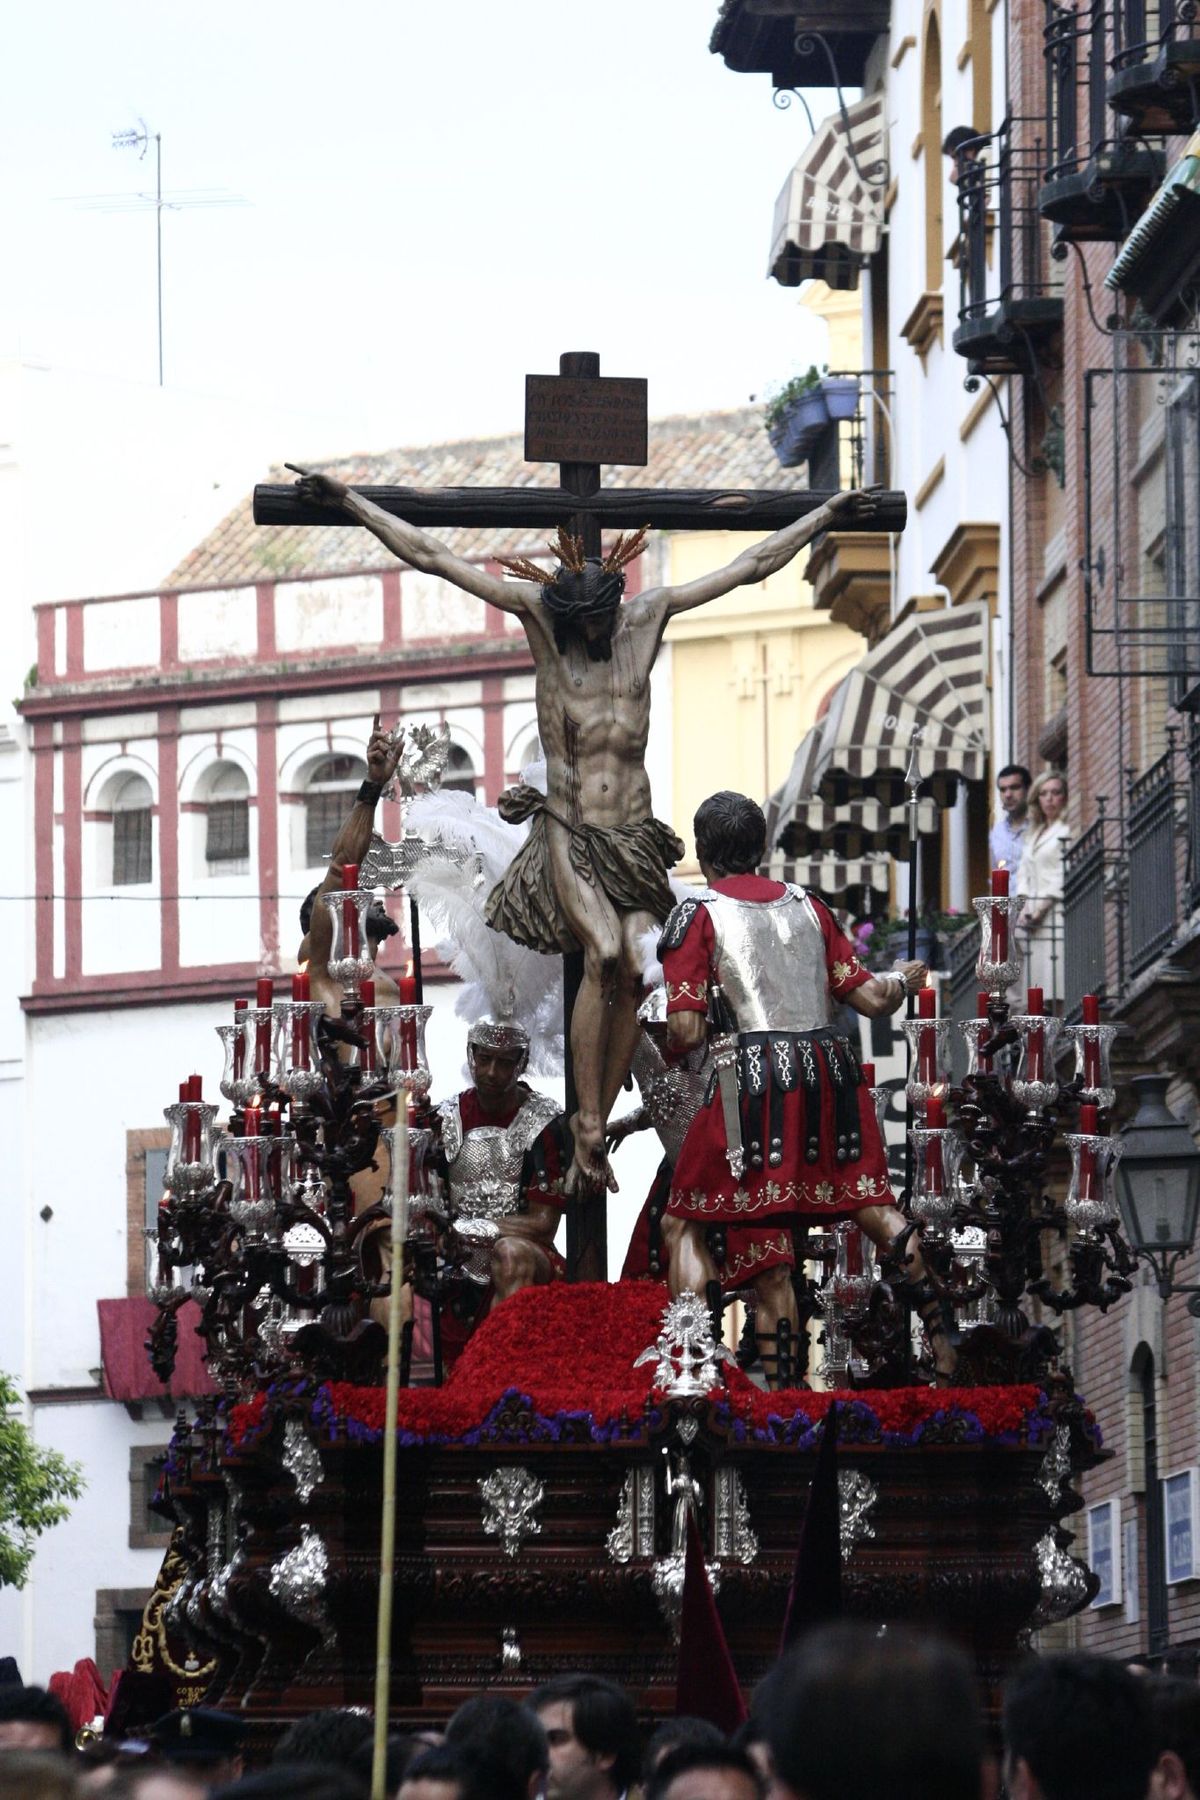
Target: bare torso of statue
{"type": "Point", "coordinates": [592, 874]}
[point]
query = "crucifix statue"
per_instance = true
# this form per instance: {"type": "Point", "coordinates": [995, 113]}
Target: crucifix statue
{"type": "Point", "coordinates": [592, 875]}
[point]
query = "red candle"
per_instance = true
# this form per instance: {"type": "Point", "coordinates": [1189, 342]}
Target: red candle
{"type": "Point", "coordinates": [366, 993]}
{"type": "Point", "coordinates": [300, 985]}
{"type": "Point", "coordinates": [935, 1120]}
{"type": "Point", "coordinates": [854, 1251]}
{"type": "Point", "coordinates": [1035, 1057]}
{"type": "Point", "coordinates": [999, 916]}
{"type": "Point", "coordinates": [981, 1012]}
{"type": "Point", "coordinates": [239, 1042]}
{"type": "Point", "coordinates": [408, 1027]}
{"type": "Point", "coordinates": [927, 1070]}
{"type": "Point", "coordinates": [252, 1128]}
{"type": "Point", "coordinates": [868, 1070]}
{"type": "Point", "coordinates": [1087, 1155]}
{"type": "Point", "coordinates": [350, 908]}
{"type": "Point", "coordinates": [1091, 1043]}
{"type": "Point", "coordinates": [264, 999]}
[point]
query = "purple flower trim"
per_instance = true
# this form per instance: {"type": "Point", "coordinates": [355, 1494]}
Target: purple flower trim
{"type": "Point", "coordinates": [542, 1427]}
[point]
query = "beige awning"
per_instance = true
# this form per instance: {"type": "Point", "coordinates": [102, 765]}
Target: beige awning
{"type": "Point", "coordinates": [832, 876]}
{"type": "Point", "coordinates": [925, 683]}
{"type": "Point", "coordinates": [800, 824]}
{"type": "Point", "coordinates": [828, 219]}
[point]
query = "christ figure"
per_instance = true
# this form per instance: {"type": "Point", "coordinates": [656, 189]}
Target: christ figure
{"type": "Point", "coordinates": [592, 875]}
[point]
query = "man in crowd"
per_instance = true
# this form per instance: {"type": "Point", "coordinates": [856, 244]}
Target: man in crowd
{"type": "Point", "coordinates": [1006, 841]}
{"type": "Point", "coordinates": [713, 1772]}
{"type": "Point", "coordinates": [32, 1719]}
{"type": "Point", "coordinates": [849, 1714]}
{"type": "Point", "coordinates": [1175, 1707]}
{"type": "Point", "coordinates": [496, 1727]}
{"type": "Point", "coordinates": [592, 1732]}
{"type": "Point", "coordinates": [1077, 1728]}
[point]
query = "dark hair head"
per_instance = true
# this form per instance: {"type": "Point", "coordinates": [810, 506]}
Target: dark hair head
{"type": "Point", "coordinates": [36, 1775]}
{"type": "Point", "coordinates": [925, 1740]}
{"type": "Point", "coordinates": [1015, 769]}
{"type": "Point", "coordinates": [329, 1737]}
{"type": "Point", "coordinates": [603, 1719]}
{"type": "Point", "coordinates": [306, 909]}
{"type": "Point", "coordinates": [1083, 1725]}
{"type": "Point", "coordinates": [687, 1757]}
{"type": "Point", "coordinates": [731, 833]}
{"type": "Point", "coordinates": [478, 1777]}
{"type": "Point", "coordinates": [34, 1706]}
{"type": "Point", "coordinates": [380, 923]}
{"type": "Point", "coordinates": [399, 1753]}
{"type": "Point", "coordinates": [294, 1781]}
{"type": "Point", "coordinates": [1175, 1714]}
{"type": "Point", "coordinates": [956, 137]}
{"type": "Point", "coordinates": [683, 1732]}
{"type": "Point", "coordinates": [495, 1726]}
{"type": "Point", "coordinates": [577, 598]}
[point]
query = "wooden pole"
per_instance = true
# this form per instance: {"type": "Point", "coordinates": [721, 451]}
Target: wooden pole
{"type": "Point", "coordinates": [387, 1542]}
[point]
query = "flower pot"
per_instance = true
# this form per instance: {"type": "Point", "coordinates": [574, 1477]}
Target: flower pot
{"type": "Point", "coordinates": [799, 427]}
{"type": "Point", "coordinates": [841, 395]}
{"type": "Point", "coordinates": [811, 410]}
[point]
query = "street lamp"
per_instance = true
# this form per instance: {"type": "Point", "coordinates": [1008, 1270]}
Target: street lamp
{"type": "Point", "coordinates": [1158, 1186]}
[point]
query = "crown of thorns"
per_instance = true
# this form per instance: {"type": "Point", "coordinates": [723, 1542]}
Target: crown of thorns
{"type": "Point", "coordinates": [569, 552]}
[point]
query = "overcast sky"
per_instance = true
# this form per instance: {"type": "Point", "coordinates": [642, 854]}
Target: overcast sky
{"type": "Point", "coordinates": [441, 195]}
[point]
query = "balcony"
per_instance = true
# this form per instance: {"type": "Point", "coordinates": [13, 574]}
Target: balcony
{"type": "Point", "coordinates": [852, 572]}
{"type": "Point", "coordinates": [1131, 904]}
{"type": "Point", "coordinates": [799, 43]}
{"type": "Point", "coordinates": [1155, 79]}
{"type": "Point", "coordinates": [1011, 306]}
{"type": "Point", "coordinates": [1095, 185]}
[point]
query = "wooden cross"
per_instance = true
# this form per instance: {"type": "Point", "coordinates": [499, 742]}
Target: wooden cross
{"type": "Point", "coordinates": [582, 420]}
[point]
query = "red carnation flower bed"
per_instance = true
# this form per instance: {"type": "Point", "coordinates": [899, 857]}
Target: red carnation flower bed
{"type": "Point", "coordinates": [560, 1358]}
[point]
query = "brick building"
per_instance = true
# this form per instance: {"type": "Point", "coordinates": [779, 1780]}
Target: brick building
{"type": "Point", "coordinates": [1000, 168]}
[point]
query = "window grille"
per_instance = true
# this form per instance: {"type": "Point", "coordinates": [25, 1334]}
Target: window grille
{"type": "Point", "coordinates": [133, 844]}
{"type": "Point", "coordinates": [330, 795]}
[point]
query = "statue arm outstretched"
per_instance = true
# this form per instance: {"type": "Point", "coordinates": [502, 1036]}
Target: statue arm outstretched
{"type": "Point", "coordinates": [416, 547]}
{"type": "Point", "coordinates": [773, 553]}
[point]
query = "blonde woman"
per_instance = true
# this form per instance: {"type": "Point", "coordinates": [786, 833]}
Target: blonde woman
{"type": "Point", "coordinates": [1040, 884]}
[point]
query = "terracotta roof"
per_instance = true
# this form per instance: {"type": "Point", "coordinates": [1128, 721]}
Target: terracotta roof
{"type": "Point", "coordinates": [705, 450]}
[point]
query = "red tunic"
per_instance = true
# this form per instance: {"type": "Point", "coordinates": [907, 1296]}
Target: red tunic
{"type": "Point", "coordinates": [806, 1179]}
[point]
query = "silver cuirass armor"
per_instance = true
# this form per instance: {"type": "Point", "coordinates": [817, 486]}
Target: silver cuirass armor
{"type": "Point", "coordinates": [484, 1165]}
{"type": "Point", "coordinates": [671, 1093]}
{"type": "Point", "coordinates": [769, 959]}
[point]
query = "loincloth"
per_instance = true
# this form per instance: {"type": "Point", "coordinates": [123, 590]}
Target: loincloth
{"type": "Point", "coordinates": [628, 863]}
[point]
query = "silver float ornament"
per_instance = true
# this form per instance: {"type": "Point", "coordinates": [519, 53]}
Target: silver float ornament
{"type": "Point", "coordinates": [238, 1088]}
{"type": "Point", "coordinates": [1034, 1084]}
{"type": "Point", "coordinates": [997, 973]}
{"type": "Point", "coordinates": [350, 958]}
{"type": "Point", "coordinates": [296, 1057]}
{"type": "Point", "coordinates": [685, 1350]}
{"type": "Point", "coordinates": [1093, 1052]}
{"type": "Point", "coordinates": [190, 1165]}
{"type": "Point", "coordinates": [1091, 1206]}
{"type": "Point", "coordinates": [400, 1044]}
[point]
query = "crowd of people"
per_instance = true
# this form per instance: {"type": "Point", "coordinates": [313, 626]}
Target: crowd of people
{"type": "Point", "coordinates": [853, 1712]}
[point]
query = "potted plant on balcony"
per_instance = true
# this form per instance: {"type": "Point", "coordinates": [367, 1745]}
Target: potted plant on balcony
{"type": "Point", "coordinates": [841, 395]}
{"type": "Point", "coordinates": [796, 416]}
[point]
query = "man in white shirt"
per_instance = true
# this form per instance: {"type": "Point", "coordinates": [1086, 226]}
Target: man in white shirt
{"type": "Point", "coordinates": [1007, 837]}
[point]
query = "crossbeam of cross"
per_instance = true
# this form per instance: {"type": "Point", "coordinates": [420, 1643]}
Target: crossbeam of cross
{"type": "Point", "coordinates": [582, 421]}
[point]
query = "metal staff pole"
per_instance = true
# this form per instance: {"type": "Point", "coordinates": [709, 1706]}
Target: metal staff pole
{"type": "Point", "coordinates": [387, 1542]}
{"type": "Point", "coordinates": [912, 779]}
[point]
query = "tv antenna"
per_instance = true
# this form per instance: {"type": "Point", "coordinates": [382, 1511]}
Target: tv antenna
{"type": "Point", "coordinates": [139, 137]}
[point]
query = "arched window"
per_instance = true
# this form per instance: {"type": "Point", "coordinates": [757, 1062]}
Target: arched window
{"type": "Point", "coordinates": [329, 797]}
{"type": "Point", "coordinates": [227, 822]}
{"type": "Point", "coordinates": [459, 776]}
{"type": "Point", "coordinates": [132, 832]}
{"type": "Point", "coordinates": [931, 150]}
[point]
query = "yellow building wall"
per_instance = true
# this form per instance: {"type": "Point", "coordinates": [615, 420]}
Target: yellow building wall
{"type": "Point", "coordinates": [748, 674]}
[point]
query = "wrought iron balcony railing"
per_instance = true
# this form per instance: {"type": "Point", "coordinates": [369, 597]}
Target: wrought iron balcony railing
{"type": "Point", "coordinates": [1096, 181]}
{"type": "Point", "coordinates": [855, 448]}
{"type": "Point", "coordinates": [1152, 860]}
{"type": "Point", "coordinates": [1155, 81]}
{"type": "Point", "coordinates": [1086, 872]}
{"type": "Point", "coordinates": [1012, 304]}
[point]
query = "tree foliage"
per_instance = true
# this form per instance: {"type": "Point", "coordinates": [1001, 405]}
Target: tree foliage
{"type": "Point", "coordinates": [35, 1486]}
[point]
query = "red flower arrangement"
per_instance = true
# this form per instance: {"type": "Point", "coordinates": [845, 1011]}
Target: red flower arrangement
{"type": "Point", "coordinates": [560, 1359]}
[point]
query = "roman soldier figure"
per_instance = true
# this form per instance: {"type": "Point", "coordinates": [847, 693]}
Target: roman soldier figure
{"type": "Point", "coordinates": [788, 1132]}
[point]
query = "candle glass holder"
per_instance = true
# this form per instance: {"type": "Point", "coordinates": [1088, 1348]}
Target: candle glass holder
{"type": "Point", "coordinates": [297, 1062]}
{"type": "Point", "coordinates": [918, 1090]}
{"type": "Point", "coordinates": [400, 1046]}
{"type": "Point", "coordinates": [190, 1161]}
{"type": "Point", "coordinates": [973, 1031]}
{"type": "Point", "coordinates": [853, 1269]}
{"type": "Point", "coordinates": [261, 1168]}
{"type": "Point", "coordinates": [238, 1089]}
{"type": "Point", "coordinates": [935, 1179]}
{"type": "Point", "coordinates": [423, 1190]}
{"type": "Point", "coordinates": [1093, 1050]}
{"type": "Point", "coordinates": [1091, 1205]}
{"type": "Point", "coordinates": [880, 1096]}
{"type": "Point", "coordinates": [996, 973]}
{"type": "Point", "coordinates": [1034, 1083]}
{"type": "Point", "coordinates": [258, 1030]}
{"type": "Point", "coordinates": [347, 965]}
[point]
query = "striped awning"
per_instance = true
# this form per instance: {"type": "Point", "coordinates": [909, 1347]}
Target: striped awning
{"type": "Point", "coordinates": [832, 876]}
{"type": "Point", "coordinates": [828, 219]}
{"type": "Point", "coordinates": [924, 684]}
{"type": "Point", "coordinates": [801, 824]}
